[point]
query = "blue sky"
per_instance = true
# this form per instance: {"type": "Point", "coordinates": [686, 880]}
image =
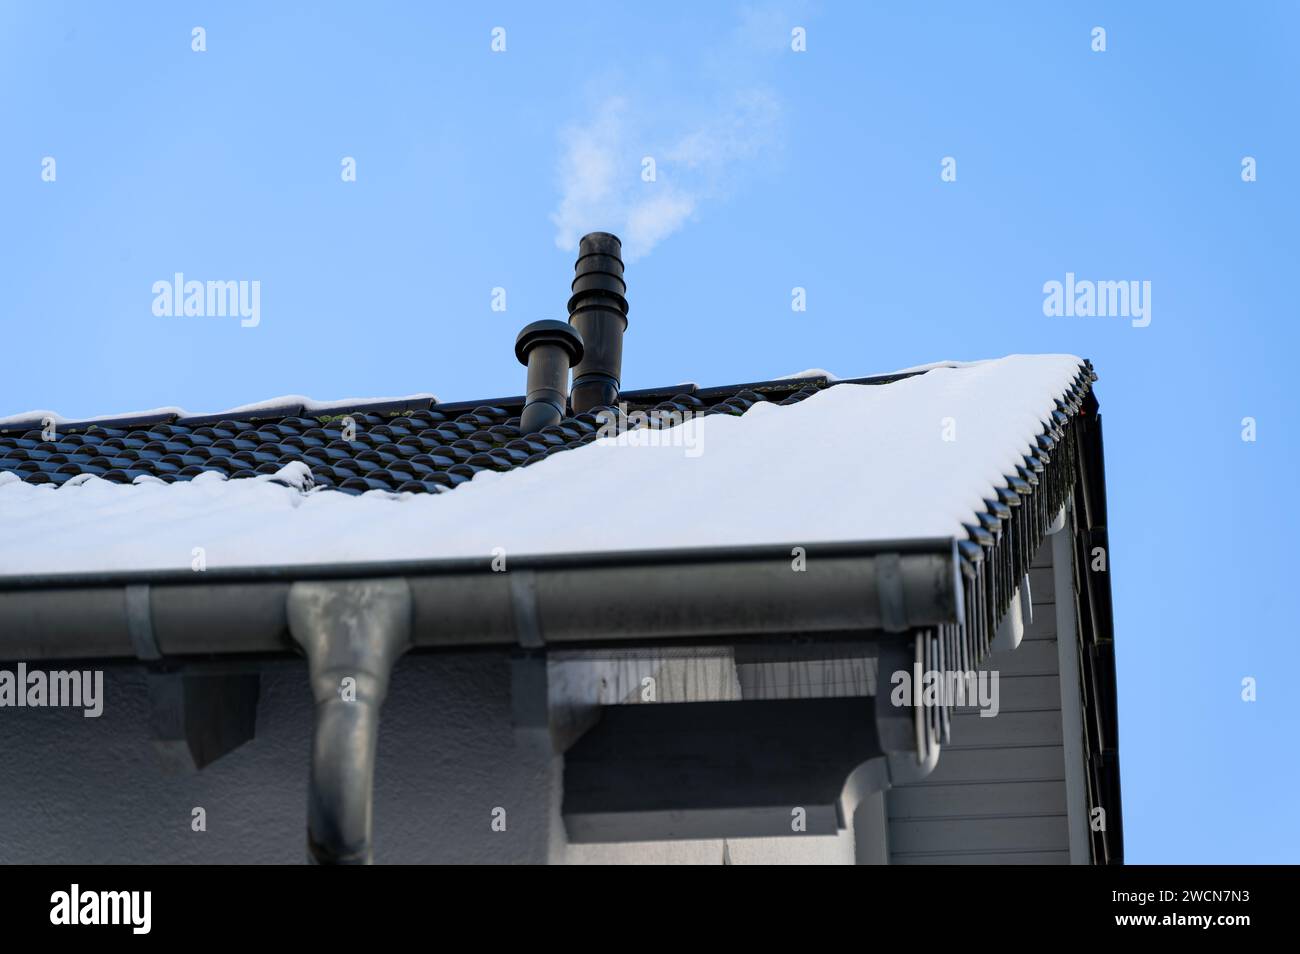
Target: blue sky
{"type": "Point", "coordinates": [775, 169]}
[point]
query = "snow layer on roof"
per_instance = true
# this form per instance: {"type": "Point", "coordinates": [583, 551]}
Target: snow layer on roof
{"type": "Point", "coordinates": [311, 408]}
{"type": "Point", "coordinates": [911, 459]}
{"type": "Point", "coordinates": [810, 373]}
{"type": "Point", "coordinates": [46, 415]}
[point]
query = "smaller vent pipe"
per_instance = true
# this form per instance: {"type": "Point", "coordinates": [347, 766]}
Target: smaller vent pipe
{"type": "Point", "coordinates": [548, 349]}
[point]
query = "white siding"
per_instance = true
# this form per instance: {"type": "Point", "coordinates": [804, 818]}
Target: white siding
{"type": "Point", "coordinates": [998, 793]}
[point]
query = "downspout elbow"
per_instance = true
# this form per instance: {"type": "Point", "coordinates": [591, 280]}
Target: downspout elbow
{"type": "Point", "coordinates": [352, 633]}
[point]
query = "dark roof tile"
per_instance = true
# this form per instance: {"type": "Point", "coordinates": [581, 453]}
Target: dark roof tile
{"type": "Point", "coordinates": [410, 446]}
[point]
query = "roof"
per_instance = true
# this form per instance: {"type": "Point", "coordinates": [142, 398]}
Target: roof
{"type": "Point", "coordinates": [920, 499]}
{"type": "Point", "coordinates": [405, 445]}
{"type": "Point", "coordinates": [916, 454]}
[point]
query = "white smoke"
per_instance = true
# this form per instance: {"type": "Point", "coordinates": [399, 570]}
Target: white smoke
{"type": "Point", "coordinates": [600, 170]}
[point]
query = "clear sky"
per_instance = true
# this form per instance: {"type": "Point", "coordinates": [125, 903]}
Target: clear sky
{"type": "Point", "coordinates": [774, 169]}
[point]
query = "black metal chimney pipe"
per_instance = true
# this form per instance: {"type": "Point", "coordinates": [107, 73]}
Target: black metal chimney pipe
{"type": "Point", "coordinates": [548, 348]}
{"type": "Point", "coordinates": [598, 309]}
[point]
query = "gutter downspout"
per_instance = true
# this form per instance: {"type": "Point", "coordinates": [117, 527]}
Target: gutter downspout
{"type": "Point", "coordinates": [352, 632]}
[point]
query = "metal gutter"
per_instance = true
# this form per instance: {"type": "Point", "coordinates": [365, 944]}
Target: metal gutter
{"type": "Point", "coordinates": [572, 599]}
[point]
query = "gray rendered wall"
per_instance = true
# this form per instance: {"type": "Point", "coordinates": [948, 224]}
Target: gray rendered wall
{"type": "Point", "coordinates": [78, 790]}
{"type": "Point", "coordinates": [83, 790]}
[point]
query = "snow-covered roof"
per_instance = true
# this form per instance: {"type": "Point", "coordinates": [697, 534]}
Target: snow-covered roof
{"type": "Point", "coordinates": [848, 462]}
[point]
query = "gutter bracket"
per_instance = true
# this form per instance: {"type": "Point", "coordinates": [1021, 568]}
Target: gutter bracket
{"type": "Point", "coordinates": [352, 632]}
{"type": "Point", "coordinates": [530, 705]}
{"type": "Point", "coordinates": [889, 587]}
{"type": "Point", "coordinates": [523, 601]}
{"type": "Point", "coordinates": [139, 623]}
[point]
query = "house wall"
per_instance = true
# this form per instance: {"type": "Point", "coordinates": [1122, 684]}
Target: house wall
{"type": "Point", "coordinates": [82, 790]}
{"type": "Point", "coordinates": [78, 790]}
{"type": "Point", "coordinates": [998, 794]}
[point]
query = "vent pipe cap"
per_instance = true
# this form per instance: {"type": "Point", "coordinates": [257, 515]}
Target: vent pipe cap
{"type": "Point", "coordinates": [549, 331]}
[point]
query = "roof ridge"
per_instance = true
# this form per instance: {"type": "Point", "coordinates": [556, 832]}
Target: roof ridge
{"type": "Point", "coordinates": [301, 406]}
